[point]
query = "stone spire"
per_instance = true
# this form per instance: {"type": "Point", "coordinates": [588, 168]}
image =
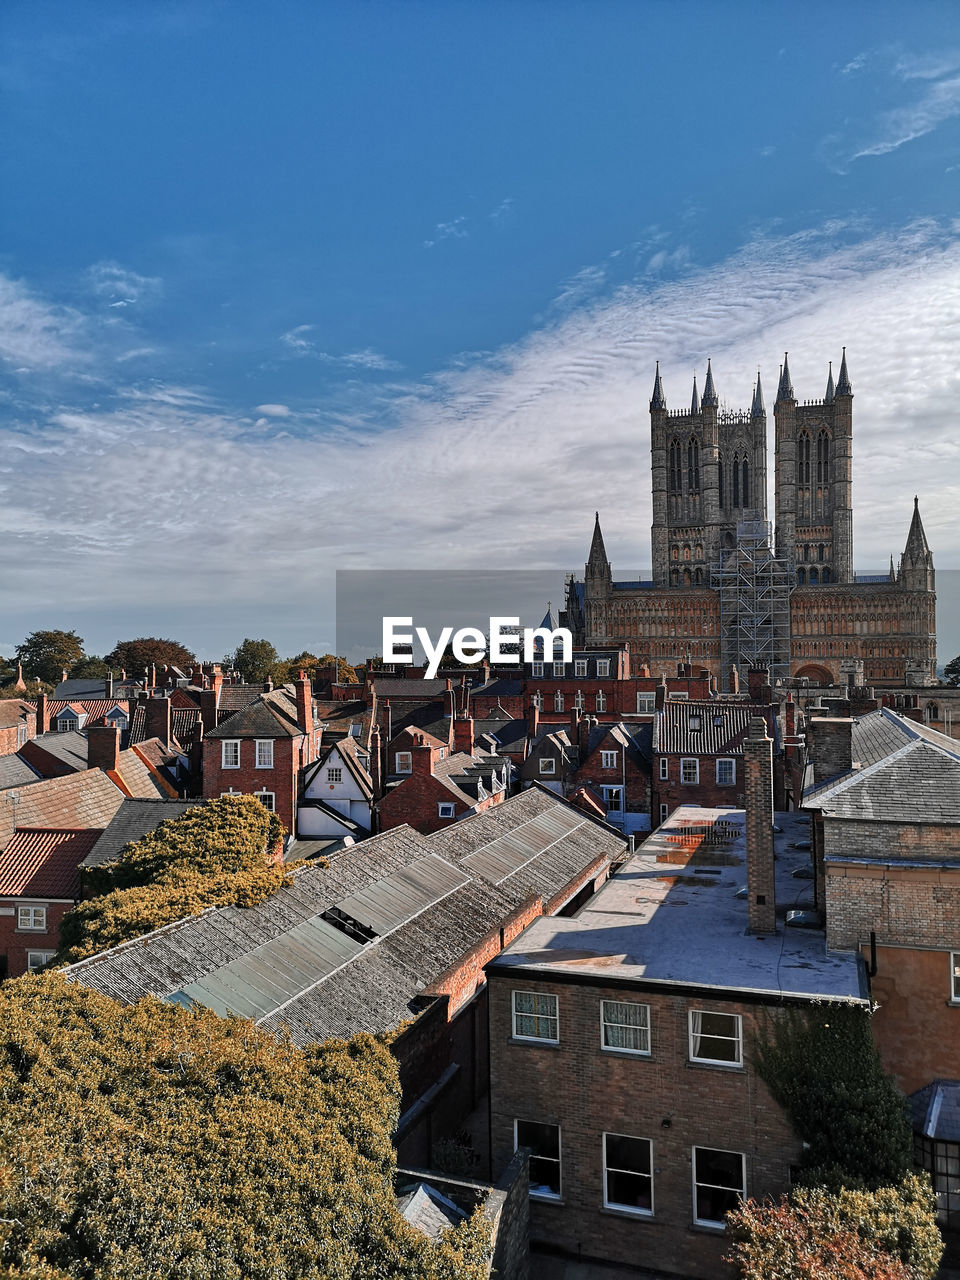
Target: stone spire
{"type": "Point", "coordinates": [756, 408]}
{"type": "Point", "coordinates": [695, 402]}
{"type": "Point", "coordinates": [658, 400]}
{"type": "Point", "coordinates": [916, 563]}
{"type": "Point", "coordinates": [843, 382]}
{"type": "Point", "coordinates": [829, 393]}
{"type": "Point", "coordinates": [598, 554]}
{"type": "Point", "coordinates": [893, 572]}
{"type": "Point", "coordinates": [917, 546]}
{"type": "Point", "coordinates": [710, 400]}
{"type": "Point", "coordinates": [785, 389]}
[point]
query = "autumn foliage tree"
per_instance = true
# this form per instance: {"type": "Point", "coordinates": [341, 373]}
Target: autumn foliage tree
{"type": "Point", "coordinates": [218, 854]}
{"type": "Point", "coordinates": [154, 1142]}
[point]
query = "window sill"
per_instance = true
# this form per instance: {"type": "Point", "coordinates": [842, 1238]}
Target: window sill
{"type": "Point", "coordinates": [735, 1067]}
{"type": "Point", "coordinates": [626, 1053]}
{"type": "Point", "coordinates": [634, 1215]}
{"type": "Point", "coordinates": [709, 1229]}
{"type": "Point", "coordinates": [536, 1044]}
{"type": "Point", "coordinates": [543, 1198]}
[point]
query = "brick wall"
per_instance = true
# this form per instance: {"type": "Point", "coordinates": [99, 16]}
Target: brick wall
{"type": "Point", "coordinates": [15, 943]}
{"type": "Point", "coordinates": [672, 792]}
{"type": "Point", "coordinates": [903, 906]}
{"type": "Point", "coordinates": [664, 1098]}
{"type": "Point", "coordinates": [916, 1028]}
{"type": "Point", "coordinates": [9, 736]}
{"type": "Point", "coordinates": [282, 779]}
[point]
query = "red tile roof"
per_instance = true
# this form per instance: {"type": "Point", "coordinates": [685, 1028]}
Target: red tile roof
{"type": "Point", "coordinates": [78, 801]}
{"type": "Point", "coordinates": [43, 863]}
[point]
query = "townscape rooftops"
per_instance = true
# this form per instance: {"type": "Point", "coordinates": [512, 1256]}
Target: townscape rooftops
{"type": "Point", "coordinates": [284, 964]}
{"type": "Point", "coordinates": [133, 820]}
{"type": "Point", "coordinates": [670, 917]}
{"type": "Point", "coordinates": [69, 747]}
{"type": "Point", "coordinates": [15, 772]}
{"type": "Point", "coordinates": [14, 711]}
{"type": "Point", "coordinates": [271, 715]}
{"type": "Point", "coordinates": [702, 728]}
{"type": "Point", "coordinates": [41, 863]}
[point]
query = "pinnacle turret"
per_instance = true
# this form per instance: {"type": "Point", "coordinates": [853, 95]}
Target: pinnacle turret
{"type": "Point", "coordinates": [756, 408]}
{"type": "Point", "coordinates": [829, 394]}
{"type": "Point", "coordinates": [917, 546]}
{"type": "Point", "coordinates": [843, 382]}
{"type": "Point", "coordinates": [598, 553]}
{"type": "Point", "coordinates": [695, 402]}
{"type": "Point", "coordinates": [710, 399]}
{"type": "Point", "coordinates": [785, 389]}
{"type": "Point", "coordinates": [658, 400]}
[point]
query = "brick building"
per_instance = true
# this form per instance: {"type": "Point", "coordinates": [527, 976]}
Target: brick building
{"type": "Point", "coordinates": [436, 786]}
{"type": "Point", "coordinates": [723, 591]}
{"type": "Point", "coordinates": [18, 724]}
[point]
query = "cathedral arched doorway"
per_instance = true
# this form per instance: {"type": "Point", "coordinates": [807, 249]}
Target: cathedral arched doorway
{"type": "Point", "coordinates": [815, 674]}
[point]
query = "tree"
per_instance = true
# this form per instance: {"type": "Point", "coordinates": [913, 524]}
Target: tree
{"type": "Point", "coordinates": [88, 669]}
{"type": "Point", "coordinates": [256, 660]}
{"type": "Point", "coordinates": [45, 654]}
{"type": "Point", "coordinates": [309, 663]}
{"type": "Point", "coordinates": [888, 1234]}
{"type": "Point", "coordinates": [951, 672]}
{"type": "Point", "coordinates": [134, 655]}
{"type": "Point", "coordinates": [154, 1142]}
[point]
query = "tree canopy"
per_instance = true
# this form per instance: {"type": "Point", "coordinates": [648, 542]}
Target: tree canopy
{"type": "Point", "coordinates": [45, 654]}
{"type": "Point", "coordinates": [88, 669]}
{"type": "Point", "coordinates": [160, 1143]}
{"type": "Point", "coordinates": [133, 656]}
{"type": "Point", "coordinates": [951, 672]}
{"type": "Point", "coordinates": [217, 854]}
{"type": "Point", "coordinates": [309, 663]}
{"type": "Point", "coordinates": [256, 660]}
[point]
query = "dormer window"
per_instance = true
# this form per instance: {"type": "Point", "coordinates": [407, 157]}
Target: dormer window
{"type": "Point", "coordinates": [603, 668]}
{"type": "Point", "coordinates": [66, 724]}
{"type": "Point", "coordinates": [116, 718]}
{"type": "Point", "coordinates": [695, 722]}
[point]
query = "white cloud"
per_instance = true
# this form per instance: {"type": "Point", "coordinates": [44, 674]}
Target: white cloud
{"type": "Point", "coordinates": [502, 459]}
{"type": "Point", "coordinates": [454, 230]}
{"type": "Point", "coordinates": [274, 410]}
{"type": "Point", "coordinates": [121, 287]}
{"type": "Point", "coordinates": [855, 64]}
{"type": "Point", "coordinates": [504, 212]}
{"type": "Point", "coordinates": [299, 344]}
{"type": "Point", "coordinates": [37, 334]}
{"type": "Point", "coordinates": [939, 102]}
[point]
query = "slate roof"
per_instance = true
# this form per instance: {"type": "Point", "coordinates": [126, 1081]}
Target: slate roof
{"type": "Point", "coordinates": [636, 744]}
{"type": "Point", "coordinates": [40, 863]}
{"type": "Point", "coordinates": [133, 820]}
{"type": "Point", "coordinates": [78, 801]}
{"type": "Point", "coordinates": [234, 697]}
{"type": "Point", "coordinates": [284, 964]}
{"type": "Point", "coordinates": [420, 690]}
{"type": "Point", "coordinates": [430, 715]}
{"type": "Point", "coordinates": [67, 690]}
{"type": "Point", "coordinates": [702, 728]}
{"type": "Point", "coordinates": [14, 711]}
{"type": "Point", "coordinates": [70, 748]}
{"type": "Point", "coordinates": [272, 715]}
{"type": "Point", "coordinates": [15, 772]}
{"type": "Point", "coordinates": [336, 719]}
{"type": "Point", "coordinates": [427, 1209]}
{"type": "Point", "coordinates": [137, 778]}
{"type": "Point", "coordinates": [935, 1110]}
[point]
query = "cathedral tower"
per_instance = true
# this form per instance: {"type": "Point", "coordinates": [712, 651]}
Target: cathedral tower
{"type": "Point", "coordinates": [813, 480]}
{"type": "Point", "coordinates": [709, 468]}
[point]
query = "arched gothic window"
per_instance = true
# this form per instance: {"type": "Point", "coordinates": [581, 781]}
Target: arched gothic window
{"type": "Point", "coordinates": [803, 458]}
{"type": "Point", "coordinates": [746, 483]}
{"type": "Point", "coordinates": [800, 576]}
{"type": "Point", "coordinates": [820, 552]}
{"type": "Point", "coordinates": [720, 479]}
{"type": "Point", "coordinates": [675, 477]}
{"type": "Point", "coordinates": [736, 480]}
{"type": "Point", "coordinates": [823, 458]}
{"type": "Point", "coordinates": [693, 467]}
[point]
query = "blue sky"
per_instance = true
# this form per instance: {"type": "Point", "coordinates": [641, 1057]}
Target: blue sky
{"type": "Point", "coordinates": [368, 285]}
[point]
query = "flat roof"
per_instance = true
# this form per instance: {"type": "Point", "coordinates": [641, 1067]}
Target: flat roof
{"type": "Point", "coordinates": [671, 916]}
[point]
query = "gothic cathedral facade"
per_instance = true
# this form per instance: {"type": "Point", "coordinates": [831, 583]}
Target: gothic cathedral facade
{"type": "Point", "coordinates": [729, 590]}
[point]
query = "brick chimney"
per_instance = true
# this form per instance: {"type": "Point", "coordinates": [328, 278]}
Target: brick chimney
{"type": "Point", "coordinates": [216, 681]}
{"type": "Point", "coordinates": [757, 678]}
{"type": "Point", "coordinates": [304, 704]}
{"type": "Point", "coordinates": [660, 694]}
{"type": "Point", "coordinates": [463, 735]}
{"type": "Point", "coordinates": [108, 685]}
{"type": "Point", "coordinates": [758, 768]}
{"type": "Point", "coordinates": [208, 709]}
{"type": "Point", "coordinates": [422, 758]}
{"type": "Point", "coordinates": [103, 747]}
{"type": "Point", "coordinates": [43, 714]}
{"type": "Point", "coordinates": [158, 720]}
{"type": "Point", "coordinates": [376, 763]}
{"type": "Point", "coordinates": [734, 679]}
{"type": "Point", "coordinates": [831, 746]}
{"type": "Point", "coordinates": [533, 719]}
{"type": "Point", "coordinates": [575, 725]}
{"type": "Point", "coordinates": [582, 738]}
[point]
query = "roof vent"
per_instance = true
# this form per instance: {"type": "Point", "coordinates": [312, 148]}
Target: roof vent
{"type": "Point", "coordinates": [803, 919]}
{"type": "Point", "coordinates": [347, 924]}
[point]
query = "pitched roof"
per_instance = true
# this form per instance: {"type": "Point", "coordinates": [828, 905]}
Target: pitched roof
{"type": "Point", "coordinates": [935, 1110]}
{"type": "Point", "coordinates": [70, 747]}
{"type": "Point", "coordinates": [93, 708]}
{"type": "Point", "coordinates": [233, 697]}
{"type": "Point", "coordinates": [272, 715]}
{"type": "Point", "coordinates": [336, 719]}
{"type": "Point", "coordinates": [702, 728]}
{"type": "Point", "coordinates": [14, 711]}
{"type": "Point", "coordinates": [43, 863]}
{"type": "Point", "coordinates": [15, 772]}
{"type": "Point", "coordinates": [132, 821]}
{"type": "Point", "coordinates": [78, 801]}
{"type": "Point", "coordinates": [918, 783]}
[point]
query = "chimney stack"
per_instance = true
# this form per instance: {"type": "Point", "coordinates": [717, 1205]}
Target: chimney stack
{"type": "Point", "coordinates": [758, 767]}
{"type": "Point", "coordinates": [734, 679]}
{"type": "Point", "coordinates": [103, 747]}
{"type": "Point", "coordinates": [304, 690]}
{"type": "Point", "coordinates": [660, 694]}
{"type": "Point", "coordinates": [376, 763]}
{"type": "Point", "coordinates": [463, 735]}
{"type": "Point", "coordinates": [158, 720]}
{"type": "Point", "coordinates": [108, 685]}
{"type": "Point", "coordinates": [831, 746]}
{"type": "Point", "coordinates": [533, 720]}
{"type": "Point", "coordinates": [43, 721]}
{"type": "Point", "coordinates": [422, 758]}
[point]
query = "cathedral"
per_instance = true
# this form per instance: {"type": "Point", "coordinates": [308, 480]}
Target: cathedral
{"type": "Point", "coordinates": [728, 590]}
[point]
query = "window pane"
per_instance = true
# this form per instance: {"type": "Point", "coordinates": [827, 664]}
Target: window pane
{"type": "Point", "coordinates": [720, 1168]}
{"type": "Point", "coordinates": [713, 1203]}
{"type": "Point", "coordinates": [626, 1026]}
{"type": "Point", "coordinates": [715, 1036]}
{"type": "Point", "coordinates": [628, 1189]}
{"type": "Point", "coordinates": [628, 1154]}
{"type": "Point", "coordinates": [544, 1143]}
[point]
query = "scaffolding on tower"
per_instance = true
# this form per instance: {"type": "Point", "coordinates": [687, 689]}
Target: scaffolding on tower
{"type": "Point", "coordinates": [754, 589]}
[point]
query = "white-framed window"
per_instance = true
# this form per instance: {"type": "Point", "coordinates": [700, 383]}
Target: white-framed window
{"type": "Point", "coordinates": [613, 799]}
{"type": "Point", "coordinates": [680, 697]}
{"type": "Point", "coordinates": [955, 977]}
{"type": "Point", "coordinates": [601, 701]}
{"type": "Point", "coordinates": [558, 701]}
{"type": "Point", "coordinates": [716, 1037]}
{"type": "Point", "coordinates": [445, 809]}
{"type": "Point", "coordinates": [37, 959]}
{"type": "Point", "coordinates": [544, 1143]}
{"type": "Point", "coordinates": [264, 753]}
{"type": "Point", "coordinates": [664, 812]}
{"type": "Point", "coordinates": [536, 1016]}
{"type": "Point", "coordinates": [580, 667]}
{"type": "Point", "coordinates": [689, 770]}
{"type": "Point", "coordinates": [268, 799]}
{"type": "Point", "coordinates": [625, 1026]}
{"type": "Point", "coordinates": [65, 724]}
{"type": "Point", "coordinates": [719, 1184]}
{"type": "Point", "coordinates": [603, 668]}
{"type": "Point", "coordinates": [695, 722]}
{"type": "Point", "coordinates": [664, 769]}
{"type": "Point", "coordinates": [404, 762]}
{"type": "Point", "coordinates": [579, 701]}
{"type": "Point", "coordinates": [116, 718]}
{"type": "Point", "coordinates": [21, 736]}
{"type": "Point", "coordinates": [608, 759]}
{"type": "Point", "coordinates": [627, 1173]}
{"type": "Point", "coordinates": [442, 753]}
{"type": "Point", "coordinates": [334, 774]}
{"type": "Point", "coordinates": [726, 773]}
{"type": "Point", "coordinates": [559, 670]}
{"type": "Point", "coordinates": [230, 753]}
{"type": "Point", "coordinates": [536, 670]}
{"type": "Point", "coordinates": [32, 918]}
{"type": "Point", "coordinates": [538, 700]}
{"type": "Point", "coordinates": [548, 765]}
{"type": "Point", "coordinates": [646, 703]}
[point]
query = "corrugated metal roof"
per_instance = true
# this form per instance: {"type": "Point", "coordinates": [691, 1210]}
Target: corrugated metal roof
{"type": "Point", "coordinates": [44, 863]}
{"type": "Point", "coordinates": [702, 728]}
{"type": "Point", "coordinates": [392, 901]}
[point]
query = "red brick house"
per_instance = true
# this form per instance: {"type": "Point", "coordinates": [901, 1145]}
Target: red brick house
{"type": "Point", "coordinates": [442, 787]}
{"type": "Point", "coordinates": [39, 883]}
{"type": "Point", "coordinates": [614, 762]}
{"type": "Point", "coordinates": [18, 724]}
{"type": "Point", "coordinates": [262, 748]}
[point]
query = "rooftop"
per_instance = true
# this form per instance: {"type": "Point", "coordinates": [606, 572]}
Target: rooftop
{"type": "Point", "coordinates": [671, 917]}
{"type": "Point", "coordinates": [44, 863]}
{"type": "Point", "coordinates": [132, 821]}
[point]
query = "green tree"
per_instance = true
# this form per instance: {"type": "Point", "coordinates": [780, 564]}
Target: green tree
{"type": "Point", "coordinates": [887, 1234]}
{"type": "Point", "coordinates": [45, 654]}
{"type": "Point", "coordinates": [256, 660]}
{"type": "Point", "coordinates": [307, 662]}
{"type": "Point", "coordinates": [88, 669]}
{"type": "Point", "coordinates": [951, 672]}
{"type": "Point", "coordinates": [133, 656]}
{"type": "Point", "coordinates": [154, 1142]}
